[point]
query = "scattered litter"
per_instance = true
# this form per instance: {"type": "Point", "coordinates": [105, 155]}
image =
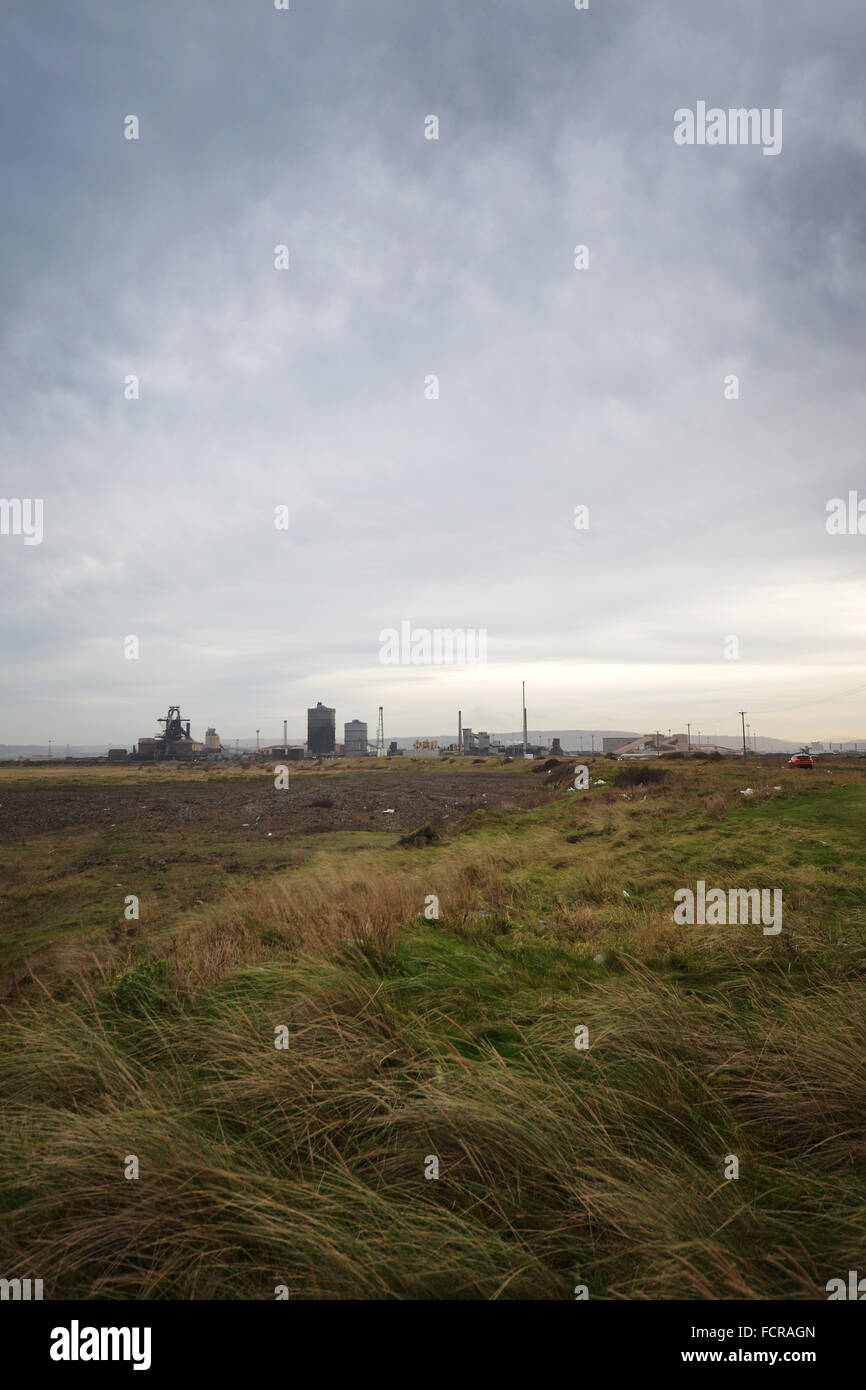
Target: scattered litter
{"type": "Point", "coordinates": [571, 789]}
{"type": "Point", "coordinates": [625, 894]}
{"type": "Point", "coordinates": [389, 811]}
{"type": "Point", "coordinates": [246, 825]}
{"type": "Point", "coordinates": [599, 782]}
{"type": "Point", "coordinates": [542, 922]}
{"type": "Point", "coordinates": [599, 960]}
{"type": "Point", "coordinates": [777, 789]}
{"type": "Point", "coordinates": [270, 834]}
{"type": "Point", "coordinates": [748, 792]}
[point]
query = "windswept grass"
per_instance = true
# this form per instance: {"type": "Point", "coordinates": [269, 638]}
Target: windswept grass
{"type": "Point", "coordinates": [454, 1039]}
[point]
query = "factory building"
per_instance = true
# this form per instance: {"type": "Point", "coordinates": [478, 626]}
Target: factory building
{"type": "Point", "coordinates": [321, 731]}
{"type": "Point", "coordinates": [481, 743]}
{"type": "Point", "coordinates": [212, 741]}
{"type": "Point", "coordinates": [424, 748]}
{"type": "Point", "coordinates": [654, 745]}
{"type": "Point", "coordinates": [173, 742]}
{"type": "Point", "coordinates": [613, 745]}
{"type": "Point", "coordinates": [355, 739]}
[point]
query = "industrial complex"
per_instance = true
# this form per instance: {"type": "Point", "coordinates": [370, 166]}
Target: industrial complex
{"type": "Point", "coordinates": [174, 741]}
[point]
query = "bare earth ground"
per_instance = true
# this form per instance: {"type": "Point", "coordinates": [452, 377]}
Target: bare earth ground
{"type": "Point", "coordinates": [74, 840]}
{"type": "Point", "coordinates": [384, 801]}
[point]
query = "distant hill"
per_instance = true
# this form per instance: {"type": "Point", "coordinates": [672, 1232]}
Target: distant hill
{"type": "Point", "coordinates": [10, 751]}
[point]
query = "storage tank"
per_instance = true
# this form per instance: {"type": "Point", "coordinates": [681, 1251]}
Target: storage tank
{"type": "Point", "coordinates": [355, 739]}
{"type": "Point", "coordinates": [321, 730]}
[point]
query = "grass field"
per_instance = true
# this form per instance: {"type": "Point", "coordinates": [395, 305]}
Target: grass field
{"type": "Point", "coordinates": [413, 1041]}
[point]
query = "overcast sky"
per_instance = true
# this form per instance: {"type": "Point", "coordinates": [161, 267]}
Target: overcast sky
{"type": "Point", "coordinates": [411, 257]}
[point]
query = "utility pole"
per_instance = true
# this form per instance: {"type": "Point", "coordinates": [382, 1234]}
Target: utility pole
{"type": "Point", "coordinates": [689, 736]}
{"type": "Point", "coordinates": [742, 714]}
{"type": "Point", "coordinates": [49, 750]}
{"type": "Point", "coordinates": [523, 697]}
{"type": "Point", "coordinates": [257, 740]}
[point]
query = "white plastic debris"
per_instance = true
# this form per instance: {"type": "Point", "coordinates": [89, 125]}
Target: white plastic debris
{"type": "Point", "coordinates": [389, 811]}
{"type": "Point", "coordinates": [625, 894]}
{"type": "Point", "coordinates": [599, 782]}
{"type": "Point", "coordinates": [748, 792]}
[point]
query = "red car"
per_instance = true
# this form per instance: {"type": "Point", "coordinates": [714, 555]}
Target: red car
{"type": "Point", "coordinates": [801, 760]}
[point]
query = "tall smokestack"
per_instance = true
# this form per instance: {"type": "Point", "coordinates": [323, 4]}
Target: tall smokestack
{"type": "Point", "coordinates": [285, 736]}
{"type": "Point", "coordinates": [460, 731]}
{"type": "Point", "coordinates": [523, 684]}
